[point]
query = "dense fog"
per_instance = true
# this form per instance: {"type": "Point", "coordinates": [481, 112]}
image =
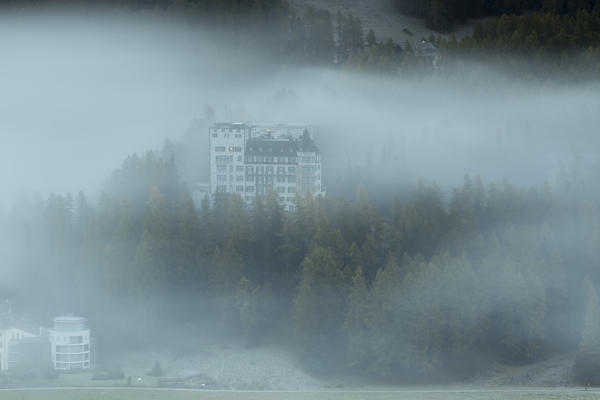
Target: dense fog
{"type": "Point", "coordinates": [81, 93]}
{"type": "Point", "coordinates": [107, 86]}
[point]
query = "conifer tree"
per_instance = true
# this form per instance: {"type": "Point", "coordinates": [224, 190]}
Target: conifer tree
{"type": "Point", "coordinates": [319, 309]}
{"type": "Point", "coordinates": [587, 364]}
{"type": "Point", "coordinates": [371, 39]}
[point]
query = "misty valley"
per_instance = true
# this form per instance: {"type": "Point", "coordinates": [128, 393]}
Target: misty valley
{"type": "Point", "coordinates": [269, 199]}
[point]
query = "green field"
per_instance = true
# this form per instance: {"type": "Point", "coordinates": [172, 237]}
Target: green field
{"type": "Point", "coordinates": [408, 394]}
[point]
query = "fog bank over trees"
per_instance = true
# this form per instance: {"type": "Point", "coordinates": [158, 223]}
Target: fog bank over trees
{"type": "Point", "coordinates": [460, 227]}
{"type": "Point", "coordinates": [112, 86]}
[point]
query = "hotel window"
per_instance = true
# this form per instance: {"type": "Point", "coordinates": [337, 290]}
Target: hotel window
{"type": "Point", "coordinates": [291, 189]}
{"type": "Point", "coordinates": [75, 339]}
{"type": "Point", "coordinates": [223, 159]}
{"type": "Point", "coordinates": [219, 148]}
{"type": "Point", "coordinates": [239, 168]}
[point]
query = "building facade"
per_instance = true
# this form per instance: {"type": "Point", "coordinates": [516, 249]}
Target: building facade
{"type": "Point", "coordinates": [70, 344]}
{"type": "Point", "coordinates": [66, 346]}
{"type": "Point", "coordinates": [12, 332]}
{"type": "Point", "coordinates": [253, 160]}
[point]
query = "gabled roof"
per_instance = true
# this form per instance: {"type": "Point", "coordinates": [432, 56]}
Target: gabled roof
{"type": "Point", "coordinates": [270, 147]}
{"type": "Point", "coordinates": [10, 320]}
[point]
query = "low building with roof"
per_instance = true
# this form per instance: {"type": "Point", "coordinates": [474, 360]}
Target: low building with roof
{"type": "Point", "coordinates": [14, 329]}
{"type": "Point", "coordinates": [66, 346]}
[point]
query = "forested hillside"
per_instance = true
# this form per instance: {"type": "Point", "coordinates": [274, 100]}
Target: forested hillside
{"type": "Point", "coordinates": [534, 45]}
{"type": "Point", "coordinates": [430, 285]}
{"type": "Point", "coordinates": [396, 280]}
{"type": "Point", "coordinates": [445, 14]}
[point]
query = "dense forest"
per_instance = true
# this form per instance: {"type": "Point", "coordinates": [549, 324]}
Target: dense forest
{"type": "Point", "coordinates": [404, 288]}
{"type": "Point", "coordinates": [533, 45]}
{"type": "Point", "coordinates": [419, 284]}
{"type": "Point", "coordinates": [445, 14]}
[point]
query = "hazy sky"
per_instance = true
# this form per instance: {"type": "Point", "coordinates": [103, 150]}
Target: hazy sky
{"type": "Point", "coordinates": [79, 95]}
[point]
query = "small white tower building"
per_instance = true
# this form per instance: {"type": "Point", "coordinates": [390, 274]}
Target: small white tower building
{"type": "Point", "coordinates": [70, 343]}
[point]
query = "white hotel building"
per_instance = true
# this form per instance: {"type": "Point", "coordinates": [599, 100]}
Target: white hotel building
{"type": "Point", "coordinates": [255, 159]}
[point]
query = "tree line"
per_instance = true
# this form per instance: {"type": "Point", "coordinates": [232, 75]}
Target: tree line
{"type": "Point", "coordinates": [429, 284]}
{"type": "Point", "coordinates": [535, 44]}
{"type": "Point", "coordinates": [443, 15]}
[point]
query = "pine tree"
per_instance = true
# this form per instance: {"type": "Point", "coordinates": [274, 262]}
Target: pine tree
{"type": "Point", "coordinates": [587, 364]}
{"type": "Point", "coordinates": [319, 309]}
{"type": "Point", "coordinates": [358, 325]}
{"type": "Point", "coordinates": [371, 39]}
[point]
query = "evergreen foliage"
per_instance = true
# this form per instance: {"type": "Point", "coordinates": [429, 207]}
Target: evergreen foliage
{"type": "Point", "coordinates": [443, 15]}
{"type": "Point", "coordinates": [537, 44]}
{"type": "Point", "coordinates": [587, 363]}
{"type": "Point", "coordinates": [423, 286]}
